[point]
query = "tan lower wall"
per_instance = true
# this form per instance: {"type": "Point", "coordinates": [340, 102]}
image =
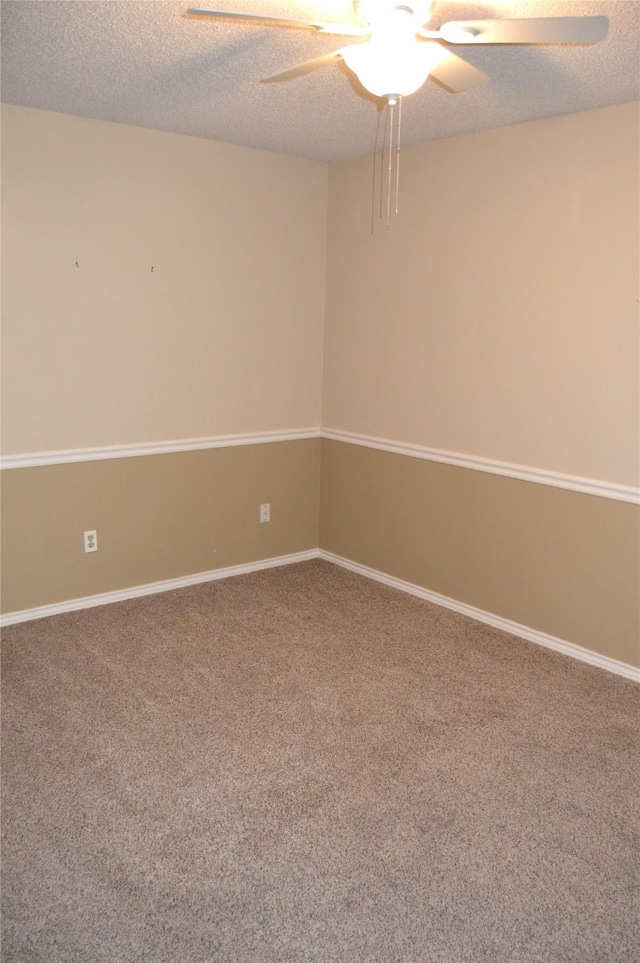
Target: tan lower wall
{"type": "Point", "coordinates": [561, 562]}
{"type": "Point", "coordinates": [557, 561]}
{"type": "Point", "coordinates": [157, 517]}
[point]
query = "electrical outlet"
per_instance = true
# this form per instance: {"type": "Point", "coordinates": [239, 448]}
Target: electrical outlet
{"type": "Point", "coordinates": [91, 541]}
{"type": "Point", "coordinates": [265, 512]}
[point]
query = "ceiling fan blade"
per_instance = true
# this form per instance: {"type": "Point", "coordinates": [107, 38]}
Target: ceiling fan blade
{"type": "Point", "coordinates": [342, 29]}
{"type": "Point", "coordinates": [306, 67]}
{"type": "Point", "coordinates": [457, 74]}
{"type": "Point", "coordinates": [540, 30]}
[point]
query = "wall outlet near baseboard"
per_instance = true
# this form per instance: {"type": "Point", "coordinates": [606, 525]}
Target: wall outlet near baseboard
{"type": "Point", "coordinates": [90, 541]}
{"type": "Point", "coordinates": [265, 512]}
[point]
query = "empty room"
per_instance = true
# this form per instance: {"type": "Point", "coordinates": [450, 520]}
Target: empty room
{"type": "Point", "coordinates": [320, 481]}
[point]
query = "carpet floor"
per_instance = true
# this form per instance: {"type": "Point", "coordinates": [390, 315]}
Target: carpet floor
{"type": "Point", "coordinates": [301, 765]}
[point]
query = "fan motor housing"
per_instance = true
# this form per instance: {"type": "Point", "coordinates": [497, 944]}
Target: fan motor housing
{"type": "Point", "coordinates": [369, 11]}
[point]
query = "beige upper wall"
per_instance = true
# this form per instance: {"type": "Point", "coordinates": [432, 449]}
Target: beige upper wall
{"type": "Point", "coordinates": [223, 336]}
{"type": "Point", "coordinates": [498, 315]}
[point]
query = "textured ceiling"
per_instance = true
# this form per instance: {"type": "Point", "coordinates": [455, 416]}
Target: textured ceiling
{"type": "Point", "coordinates": [142, 63]}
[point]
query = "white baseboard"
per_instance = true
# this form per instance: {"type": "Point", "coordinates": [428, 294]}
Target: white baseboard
{"type": "Point", "coordinates": [506, 625]}
{"type": "Point", "coordinates": [152, 588]}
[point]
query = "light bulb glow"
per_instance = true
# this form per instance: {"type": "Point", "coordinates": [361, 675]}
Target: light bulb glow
{"type": "Point", "coordinates": [393, 61]}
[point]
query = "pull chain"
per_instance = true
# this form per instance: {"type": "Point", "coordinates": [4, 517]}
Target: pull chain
{"type": "Point", "coordinates": [392, 122]}
{"type": "Point", "coordinates": [398, 152]}
{"type": "Point", "coordinates": [382, 149]}
{"type": "Point", "coordinates": [392, 119]}
{"type": "Point", "coordinates": [391, 108]}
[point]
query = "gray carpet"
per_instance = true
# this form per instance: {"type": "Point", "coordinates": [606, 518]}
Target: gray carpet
{"type": "Point", "coordinates": [304, 765]}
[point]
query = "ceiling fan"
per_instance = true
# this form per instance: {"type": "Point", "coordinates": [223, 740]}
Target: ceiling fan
{"type": "Point", "coordinates": [396, 51]}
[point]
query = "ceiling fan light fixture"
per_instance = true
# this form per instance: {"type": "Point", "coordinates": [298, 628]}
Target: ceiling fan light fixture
{"type": "Point", "coordinates": [388, 69]}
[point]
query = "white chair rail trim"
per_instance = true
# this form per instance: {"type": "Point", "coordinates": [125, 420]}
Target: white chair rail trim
{"type": "Point", "coordinates": [68, 456]}
{"type": "Point", "coordinates": [539, 476]}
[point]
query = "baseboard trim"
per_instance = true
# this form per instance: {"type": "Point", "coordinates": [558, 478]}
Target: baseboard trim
{"type": "Point", "coordinates": [153, 588]}
{"type": "Point", "coordinates": [506, 625]}
{"type": "Point", "coordinates": [168, 585]}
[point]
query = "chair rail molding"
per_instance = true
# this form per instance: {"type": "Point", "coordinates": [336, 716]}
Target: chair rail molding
{"type": "Point", "coordinates": [539, 476]}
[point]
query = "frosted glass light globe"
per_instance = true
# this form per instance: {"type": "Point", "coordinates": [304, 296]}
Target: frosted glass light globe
{"type": "Point", "coordinates": [384, 73]}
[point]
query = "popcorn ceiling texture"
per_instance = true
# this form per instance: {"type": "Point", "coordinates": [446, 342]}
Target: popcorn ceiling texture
{"type": "Point", "coordinates": [142, 63]}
